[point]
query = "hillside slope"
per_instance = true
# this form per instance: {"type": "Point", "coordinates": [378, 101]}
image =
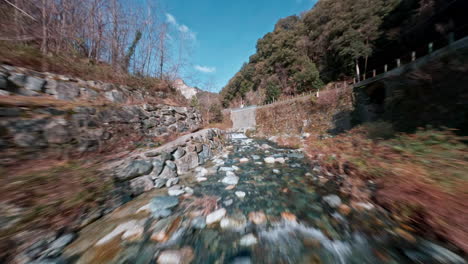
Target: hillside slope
{"type": "Point", "coordinates": [325, 44]}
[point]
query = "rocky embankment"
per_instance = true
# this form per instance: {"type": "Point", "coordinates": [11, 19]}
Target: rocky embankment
{"type": "Point", "coordinates": [25, 82]}
{"type": "Point", "coordinates": [47, 118]}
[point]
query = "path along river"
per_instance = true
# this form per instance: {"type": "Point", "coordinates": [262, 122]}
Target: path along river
{"type": "Point", "coordinates": [280, 212]}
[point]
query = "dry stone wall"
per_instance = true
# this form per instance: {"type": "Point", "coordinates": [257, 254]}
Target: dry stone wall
{"type": "Point", "coordinates": [162, 166]}
{"type": "Point", "coordinates": [25, 82]}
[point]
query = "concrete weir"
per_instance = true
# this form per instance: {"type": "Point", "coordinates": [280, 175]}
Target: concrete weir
{"type": "Point", "coordinates": [243, 118]}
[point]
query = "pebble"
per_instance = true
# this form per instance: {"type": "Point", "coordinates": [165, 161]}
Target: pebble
{"type": "Point", "coordinates": [235, 167]}
{"type": "Point", "coordinates": [230, 179]}
{"type": "Point", "coordinates": [236, 222]}
{"type": "Point", "coordinates": [215, 216]}
{"type": "Point", "coordinates": [344, 209]}
{"type": "Point", "coordinates": [269, 160]}
{"type": "Point", "coordinates": [280, 160]}
{"type": "Point", "coordinates": [240, 194]}
{"type": "Point", "coordinates": [198, 222]}
{"type": "Point", "coordinates": [243, 160]}
{"type": "Point", "coordinates": [230, 187]}
{"type": "Point", "coordinates": [332, 200]}
{"type": "Point", "coordinates": [255, 157]}
{"type": "Point", "coordinates": [228, 202]}
{"type": "Point", "coordinates": [188, 190]}
{"type": "Point", "coordinates": [181, 256]}
{"type": "Point", "coordinates": [201, 179]}
{"type": "Point", "coordinates": [276, 171]}
{"type": "Point", "coordinates": [257, 217]}
{"type": "Point", "coordinates": [288, 216]}
{"type": "Point", "coordinates": [172, 181]}
{"type": "Point", "coordinates": [248, 240]}
{"type": "Point", "coordinates": [363, 206]}
{"type": "Point", "coordinates": [175, 191]}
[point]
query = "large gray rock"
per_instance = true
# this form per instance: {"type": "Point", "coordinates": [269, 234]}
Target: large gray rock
{"type": "Point", "coordinates": [67, 91]}
{"type": "Point", "coordinates": [140, 185]}
{"type": "Point", "coordinates": [230, 179]}
{"type": "Point", "coordinates": [115, 96]}
{"type": "Point", "coordinates": [34, 84]}
{"type": "Point", "coordinates": [179, 153]}
{"type": "Point", "coordinates": [29, 140]}
{"type": "Point", "coordinates": [187, 162]}
{"type": "Point", "coordinates": [134, 169]}
{"type": "Point", "coordinates": [158, 166]}
{"type": "Point", "coordinates": [205, 154]}
{"type": "Point", "coordinates": [168, 173]}
{"type": "Point", "coordinates": [161, 204]}
{"type": "Point", "coordinates": [332, 200]}
{"type": "Point", "coordinates": [56, 132]}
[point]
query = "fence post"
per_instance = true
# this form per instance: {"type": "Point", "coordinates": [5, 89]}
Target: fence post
{"type": "Point", "coordinates": [374, 73]}
{"type": "Point", "coordinates": [430, 47]}
{"type": "Point", "coordinates": [451, 37]}
{"type": "Point", "coordinates": [413, 56]}
{"type": "Point", "coordinates": [385, 68]}
{"type": "Point", "coordinates": [398, 62]}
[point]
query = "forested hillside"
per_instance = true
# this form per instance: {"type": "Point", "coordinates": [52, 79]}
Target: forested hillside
{"type": "Point", "coordinates": [327, 42]}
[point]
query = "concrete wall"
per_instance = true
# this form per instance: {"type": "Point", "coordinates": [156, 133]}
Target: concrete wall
{"type": "Point", "coordinates": [243, 118]}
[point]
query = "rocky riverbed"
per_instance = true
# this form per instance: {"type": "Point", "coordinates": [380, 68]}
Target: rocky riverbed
{"type": "Point", "coordinates": [253, 203]}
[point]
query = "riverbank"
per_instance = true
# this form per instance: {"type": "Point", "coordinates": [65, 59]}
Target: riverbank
{"type": "Point", "coordinates": [420, 178]}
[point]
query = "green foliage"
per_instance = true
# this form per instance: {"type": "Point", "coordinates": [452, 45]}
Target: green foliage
{"type": "Point", "coordinates": [273, 90]}
{"type": "Point", "coordinates": [194, 102]}
{"type": "Point", "coordinates": [131, 50]}
{"type": "Point", "coordinates": [323, 43]}
{"type": "Point", "coordinates": [216, 114]}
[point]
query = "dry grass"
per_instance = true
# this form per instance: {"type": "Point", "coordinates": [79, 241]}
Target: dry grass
{"type": "Point", "coordinates": [422, 177]}
{"type": "Point", "coordinates": [205, 204]}
{"type": "Point", "coordinates": [50, 197]}
{"type": "Point", "coordinates": [303, 114]}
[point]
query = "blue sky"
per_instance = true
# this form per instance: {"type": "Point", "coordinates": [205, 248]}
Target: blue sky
{"type": "Point", "coordinates": [225, 33]}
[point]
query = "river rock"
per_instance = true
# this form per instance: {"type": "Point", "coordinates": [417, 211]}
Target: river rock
{"type": "Point", "coordinates": [179, 153]}
{"type": "Point", "coordinates": [230, 179]}
{"type": "Point", "coordinates": [280, 160]}
{"type": "Point", "coordinates": [236, 222]}
{"type": "Point", "coordinates": [276, 171]}
{"type": "Point", "coordinates": [59, 244]}
{"type": "Point", "coordinates": [269, 160]}
{"type": "Point", "coordinates": [168, 173]}
{"type": "Point", "coordinates": [215, 216]}
{"type": "Point", "coordinates": [134, 169]}
{"type": "Point", "coordinates": [159, 183]}
{"type": "Point", "coordinates": [119, 230]}
{"type": "Point", "coordinates": [198, 222]}
{"type": "Point", "coordinates": [181, 256]}
{"type": "Point", "coordinates": [257, 218]}
{"type": "Point", "coordinates": [187, 162]}
{"type": "Point", "coordinates": [240, 194]}
{"type": "Point", "coordinates": [172, 181]}
{"type": "Point", "coordinates": [175, 190]}
{"type": "Point", "coordinates": [243, 160]}
{"type": "Point", "coordinates": [248, 240]}
{"type": "Point", "coordinates": [226, 169]}
{"type": "Point", "coordinates": [255, 157]}
{"type": "Point", "coordinates": [161, 203]}
{"type": "Point", "coordinates": [141, 184]}
{"type": "Point", "coordinates": [332, 200]}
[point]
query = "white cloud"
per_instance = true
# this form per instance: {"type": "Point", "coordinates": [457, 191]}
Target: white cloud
{"type": "Point", "coordinates": [205, 69]}
{"type": "Point", "coordinates": [171, 19]}
{"type": "Point", "coordinates": [180, 27]}
{"type": "Point", "coordinates": [183, 28]}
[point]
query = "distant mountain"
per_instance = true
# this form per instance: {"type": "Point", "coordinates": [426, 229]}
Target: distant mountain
{"type": "Point", "coordinates": [187, 91]}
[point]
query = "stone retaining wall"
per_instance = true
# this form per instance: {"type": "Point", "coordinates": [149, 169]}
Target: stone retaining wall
{"type": "Point", "coordinates": [88, 128]}
{"type": "Point", "coordinates": [25, 82]}
{"type": "Point", "coordinates": [161, 167]}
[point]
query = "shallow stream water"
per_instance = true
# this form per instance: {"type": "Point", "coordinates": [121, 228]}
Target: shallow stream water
{"type": "Point", "coordinates": [301, 224]}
